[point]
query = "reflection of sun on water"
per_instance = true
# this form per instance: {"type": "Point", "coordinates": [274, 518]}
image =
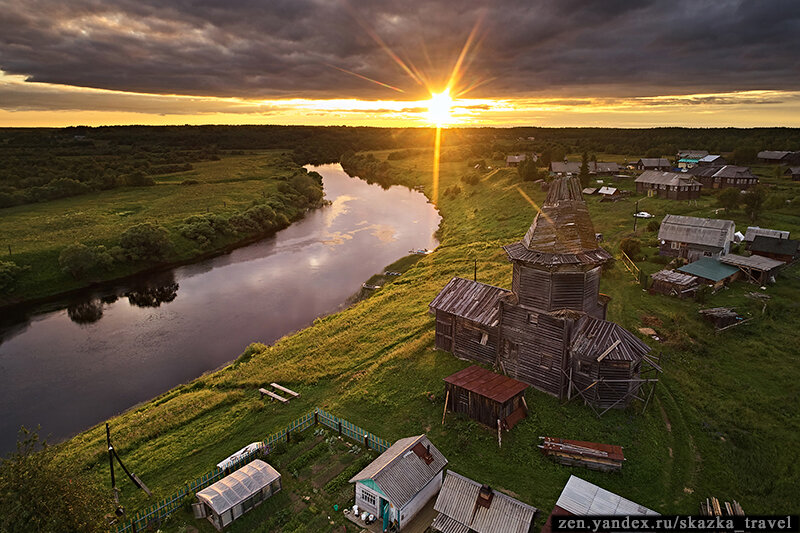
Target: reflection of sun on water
{"type": "Point", "coordinates": [440, 108]}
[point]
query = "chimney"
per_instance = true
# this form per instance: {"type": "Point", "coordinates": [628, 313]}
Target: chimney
{"type": "Point", "coordinates": [485, 496]}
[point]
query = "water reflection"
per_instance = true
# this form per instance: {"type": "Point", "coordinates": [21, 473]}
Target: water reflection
{"type": "Point", "coordinates": [86, 312]}
{"type": "Point", "coordinates": [154, 292]}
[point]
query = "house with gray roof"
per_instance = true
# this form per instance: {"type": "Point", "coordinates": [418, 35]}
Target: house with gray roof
{"type": "Point", "coordinates": [396, 485]}
{"type": "Point", "coordinates": [754, 231]}
{"type": "Point", "coordinates": [778, 156]}
{"type": "Point", "coordinates": [692, 238]}
{"type": "Point", "coordinates": [564, 168]}
{"type": "Point", "coordinates": [721, 177]}
{"type": "Point", "coordinates": [653, 163]}
{"type": "Point", "coordinates": [692, 154]}
{"type": "Point", "coordinates": [670, 185]}
{"type": "Point", "coordinates": [794, 172]}
{"type": "Point", "coordinates": [711, 159]}
{"type": "Point", "coordinates": [466, 506]}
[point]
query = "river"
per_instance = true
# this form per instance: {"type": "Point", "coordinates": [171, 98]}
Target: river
{"type": "Point", "coordinates": [72, 364]}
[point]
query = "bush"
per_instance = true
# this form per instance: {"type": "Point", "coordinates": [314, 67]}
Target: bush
{"type": "Point", "coordinates": [9, 273]}
{"type": "Point", "coordinates": [145, 241]}
{"type": "Point", "coordinates": [470, 178]}
{"type": "Point", "coordinates": [203, 228]}
{"type": "Point", "coordinates": [653, 226]}
{"type": "Point", "coordinates": [729, 199]}
{"type": "Point", "coordinates": [77, 260]}
{"type": "Point", "coordinates": [630, 246]}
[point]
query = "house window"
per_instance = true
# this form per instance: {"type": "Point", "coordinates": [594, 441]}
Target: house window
{"type": "Point", "coordinates": [584, 367]}
{"type": "Point", "coordinates": [707, 254]}
{"type": "Point", "coordinates": [368, 497]}
{"type": "Point", "coordinates": [533, 318]}
{"type": "Point", "coordinates": [484, 338]}
{"type": "Point", "coordinates": [675, 245]}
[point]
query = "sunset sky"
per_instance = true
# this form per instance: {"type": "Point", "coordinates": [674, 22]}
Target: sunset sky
{"type": "Point", "coordinates": [542, 63]}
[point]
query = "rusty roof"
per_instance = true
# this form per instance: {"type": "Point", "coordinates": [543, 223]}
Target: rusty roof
{"type": "Point", "coordinates": [594, 336]}
{"type": "Point", "coordinates": [562, 232]}
{"type": "Point", "coordinates": [496, 387]}
{"type": "Point", "coordinates": [472, 300]}
{"type": "Point", "coordinates": [611, 451]}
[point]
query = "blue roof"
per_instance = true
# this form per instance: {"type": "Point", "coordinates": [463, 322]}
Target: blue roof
{"type": "Point", "coordinates": [709, 268]}
{"type": "Point", "coordinates": [688, 160]}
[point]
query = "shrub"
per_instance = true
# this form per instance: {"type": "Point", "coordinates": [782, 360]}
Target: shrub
{"type": "Point", "coordinates": [145, 241]}
{"type": "Point", "coordinates": [653, 226]}
{"type": "Point", "coordinates": [203, 228]}
{"type": "Point", "coordinates": [630, 246]}
{"type": "Point", "coordinates": [9, 272]}
{"type": "Point", "coordinates": [470, 178]}
{"type": "Point", "coordinates": [77, 260]}
{"type": "Point", "coordinates": [729, 199]}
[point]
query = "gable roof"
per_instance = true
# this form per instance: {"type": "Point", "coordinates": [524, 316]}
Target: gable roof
{"type": "Point", "coordinates": [486, 383]}
{"type": "Point", "coordinates": [695, 230]}
{"type": "Point", "coordinates": [773, 154]}
{"type": "Point", "coordinates": [562, 232]}
{"type": "Point", "coordinates": [594, 336]}
{"type": "Point", "coordinates": [459, 511]}
{"type": "Point", "coordinates": [793, 171]}
{"type": "Point", "coordinates": [654, 162]}
{"type": "Point", "coordinates": [657, 177]}
{"type": "Point", "coordinates": [771, 245]}
{"type": "Point", "coordinates": [709, 158]}
{"type": "Point", "coordinates": [754, 231]}
{"type": "Point", "coordinates": [710, 269]}
{"type": "Point", "coordinates": [472, 300]}
{"type": "Point", "coordinates": [757, 262]}
{"type": "Point", "coordinates": [694, 154]}
{"type": "Point", "coordinates": [733, 171]}
{"type": "Point", "coordinates": [574, 167]}
{"type": "Point", "coordinates": [516, 158]}
{"type": "Point", "coordinates": [582, 498]}
{"type": "Point", "coordinates": [238, 486]}
{"type": "Point", "coordinates": [400, 472]}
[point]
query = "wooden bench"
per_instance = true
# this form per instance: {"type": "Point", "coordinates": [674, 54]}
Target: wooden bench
{"type": "Point", "coordinates": [272, 395]}
{"type": "Point", "coordinates": [284, 389]}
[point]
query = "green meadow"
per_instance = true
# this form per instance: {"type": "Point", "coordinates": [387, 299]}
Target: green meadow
{"type": "Point", "coordinates": [35, 234]}
{"type": "Point", "coordinates": [724, 421]}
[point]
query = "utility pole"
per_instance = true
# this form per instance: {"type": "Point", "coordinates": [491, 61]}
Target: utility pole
{"type": "Point", "coordinates": [635, 218]}
{"type": "Point", "coordinates": [475, 271]}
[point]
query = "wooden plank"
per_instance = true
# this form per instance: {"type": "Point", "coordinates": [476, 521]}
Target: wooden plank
{"type": "Point", "coordinates": [284, 389]}
{"type": "Point", "coordinates": [265, 392]}
{"type": "Point", "coordinates": [608, 351]}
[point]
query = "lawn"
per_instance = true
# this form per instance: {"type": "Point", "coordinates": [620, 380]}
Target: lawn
{"type": "Point", "coordinates": [35, 234]}
{"type": "Point", "coordinates": [724, 421]}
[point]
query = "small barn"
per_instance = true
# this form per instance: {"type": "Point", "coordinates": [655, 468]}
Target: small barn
{"type": "Point", "coordinates": [466, 506]}
{"type": "Point", "coordinates": [581, 498]}
{"type": "Point", "coordinates": [692, 154]}
{"type": "Point", "coordinates": [711, 271]}
{"type": "Point", "coordinates": [786, 250]}
{"type": "Point", "coordinates": [491, 399]}
{"type": "Point", "coordinates": [756, 269]}
{"type": "Point", "coordinates": [609, 192]}
{"type": "Point", "coordinates": [711, 159]}
{"type": "Point", "coordinates": [794, 172]}
{"type": "Point", "coordinates": [515, 160]}
{"type": "Point", "coordinates": [673, 283]}
{"type": "Point", "coordinates": [653, 163]}
{"type": "Point", "coordinates": [692, 238]}
{"type": "Point", "coordinates": [669, 185]}
{"type": "Point", "coordinates": [574, 168]}
{"type": "Point", "coordinates": [396, 485]}
{"type": "Point", "coordinates": [778, 156]}
{"type": "Point", "coordinates": [754, 231]}
{"type": "Point", "coordinates": [723, 177]}
{"type": "Point", "coordinates": [232, 496]}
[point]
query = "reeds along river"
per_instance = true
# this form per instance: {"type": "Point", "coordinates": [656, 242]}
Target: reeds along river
{"type": "Point", "coordinates": [72, 365]}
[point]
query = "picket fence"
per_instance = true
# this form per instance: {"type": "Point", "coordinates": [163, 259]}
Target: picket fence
{"type": "Point", "coordinates": [152, 516]}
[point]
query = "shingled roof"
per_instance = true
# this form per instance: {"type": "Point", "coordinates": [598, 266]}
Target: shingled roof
{"type": "Point", "coordinates": [471, 300]}
{"type": "Point", "coordinates": [595, 336]}
{"type": "Point", "coordinates": [402, 470]}
{"type": "Point", "coordinates": [695, 230]}
{"type": "Point", "coordinates": [673, 179]}
{"type": "Point", "coordinates": [562, 232]}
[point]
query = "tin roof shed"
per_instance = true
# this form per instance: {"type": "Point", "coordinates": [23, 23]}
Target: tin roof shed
{"type": "Point", "coordinates": [710, 269]}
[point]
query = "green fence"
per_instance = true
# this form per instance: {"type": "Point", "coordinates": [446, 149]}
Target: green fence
{"type": "Point", "coordinates": [153, 515]}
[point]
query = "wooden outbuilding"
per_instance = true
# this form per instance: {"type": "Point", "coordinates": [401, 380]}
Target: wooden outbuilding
{"type": "Point", "coordinates": [754, 231]}
{"type": "Point", "coordinates": [786, 250]}
{"type": "Point", "coordinates": [755, 268]}
{"type": "Point", "coordinates": [794, 172]}
{"type": "Point", "coordinates": [669, 185]}
{"type": "Point", "coordinates": [653, 163]}
{"type": "Point", "coordinates": [232, 496]}
{"type": "Point", "coordinates": [724, 177]}
{"type": "Point", "coordinates": [466, 506]}
{"type": "Point", "coordinates": [491, 399]}
{"type": "Point", "coordinates": [673, 283]}
{"type": "Point", "coordinates": [711, 271]}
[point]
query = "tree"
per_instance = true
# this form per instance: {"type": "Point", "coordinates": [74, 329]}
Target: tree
{"type": "Point", "coordinates": [630, 246]}
{"type": "Point", "coordinates": [77, 260]}
{"type": "Point", "coordinates": [729, 199]}
{"type": "Point", "coordinates": [583, 176]}
{"type": "Point", "coordinates": [145, 241]}
{"type": "Point", "coordinates": [527, 169]}
{"type": "Point", "coordinates": [744, 155]}
{"type": "Point", "coordinates": [653, 152]}
{"type": "Point", "coordinates": [9, 273]}
{"type": "Point", "coordinates": [40, 493]}
{"type": "Point", "coordinates": [546, 159]}
{"type": "Point", "coordinates": [754, 201]}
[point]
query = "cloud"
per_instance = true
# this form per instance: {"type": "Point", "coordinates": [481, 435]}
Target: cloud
{"type": "Point", "coordinates": [282, 48]}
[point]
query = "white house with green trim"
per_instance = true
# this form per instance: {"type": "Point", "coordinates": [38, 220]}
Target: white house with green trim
{"type": "Point", "coordinates": [396, 485]}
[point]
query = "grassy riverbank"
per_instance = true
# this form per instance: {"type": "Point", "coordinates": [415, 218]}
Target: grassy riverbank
{"type": "Point", "coordinates": [36, 234]}
{"type": "Point", "coordinates": [724, 421]}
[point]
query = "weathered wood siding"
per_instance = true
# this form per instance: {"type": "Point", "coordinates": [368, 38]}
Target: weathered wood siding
{"type": "Point", "coordinates": [467, 341]}
{"type": "Point", "coordinates": [445, 327]}
{"type": "Point", "coordinates": [550, 291]}
{"type": "Point", "coordinates": [480, 408]}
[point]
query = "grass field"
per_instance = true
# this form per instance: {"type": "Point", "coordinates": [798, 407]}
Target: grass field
{"type": "Point", "coordinates": [724, 422]}
{"type": "Point", "coordinates": [36, 233]}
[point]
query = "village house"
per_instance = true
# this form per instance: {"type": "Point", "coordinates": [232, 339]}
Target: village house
{"type": "Point", "coordinates": [670, 185]}
{"type": "Point", "coordinates": [691, 238]}
{"type": "Point", "coordinates": [492, 399]}
{"type": "Point", "coordinates": [549, 330]}
{"type": "Point", "coordinates": [794, 172]}
{"type": "Point", "coordinates": [515, 160]}
{"type": "Point", "coordinates": [711, 160]}
{"type": "Point", "coordinates": [785, 250]}
{"type": "Point", "coordinates": [779, 157]}
{"type": "Point", "coordinates": [692, 154]}
{"type": "Point", "coordinates": [396, 485]}
{"type": "Point", "coordinates": [581, 498]}
{"type": "Point", "coordinates": [687, 162]}
{"type": "Point", "coordinates": [232, 496]}
{"type": "Point", "coordinates": [721, 177]}
{"type": "Point", "coordinates": [653, 163]}
{"type": "Point", "coordinates": [466, 506]}
{"type": "Point", "coordinates": [754, 231]}
{"type": "Point", "coordinates": [565, 168]}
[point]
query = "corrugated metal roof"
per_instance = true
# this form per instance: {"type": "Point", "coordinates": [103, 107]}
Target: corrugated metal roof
{"type": "Point", "coordinates": [792, 170]}
{"type": "Point", "coordinates": [472, 300]}
{"type": "Point", "coordinates": [773, 154]}
{"type": "Point", "coordinates": [670, 276]}
{"type": "Point", "coordinates": [607, 190]}
{"type": "Point", "coordinates": [771, 245]}
{"type": "Point", "coordinates": [657, 177]}
{"type": "Point", "coordinates": [753, 231]}
{"type": "Point", "coordinates": [594, 336]}
{"type": "Point", "coordinates": [582, 498]}
{"type": "Point", "coordinates": [694, 230]}
{"type": "Point", "coordinates": [709, 158]}
{"type": "Point", "coordinates": [445, 524]}
{"type": "Point", "coordinates": [238, 486]}
{"type": "Point", "coordinates": [654, 162]}
{"type": "Point", "coordinates": [457, 501]}
{"type": "Point", "coordinates": [696, 154]}
{"type": "Point", "coordinates": [710, 269]}
{"type": "Point", "coordinates": [757, 262]}
{"type": "Point", "coordinates": [733, 171]}
{"type": "Point", "coordinates": [400, 472]}
{"type": "Point", "coordinates": [496, 387]}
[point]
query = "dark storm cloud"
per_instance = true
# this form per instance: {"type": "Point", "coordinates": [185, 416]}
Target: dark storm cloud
{"type": "Point", "coordinates": [281, 48]}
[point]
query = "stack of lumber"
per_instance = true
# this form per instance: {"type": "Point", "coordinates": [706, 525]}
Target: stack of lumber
{"type": "Point", "coordinates": [593, 455]}
{"type": "Point", "coordinates": [712, 507]}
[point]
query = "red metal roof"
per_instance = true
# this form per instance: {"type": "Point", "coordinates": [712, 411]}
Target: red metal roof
{"type": "Point", "coordinates": [496, 387]}
{"type": "Point", "coordinates": [610, 451]}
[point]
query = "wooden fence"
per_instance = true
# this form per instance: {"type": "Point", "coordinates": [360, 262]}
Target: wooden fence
{"type": "Point", "coordinates": [153, 515]}
{"type": "Point", "coordinates": [630, 266]}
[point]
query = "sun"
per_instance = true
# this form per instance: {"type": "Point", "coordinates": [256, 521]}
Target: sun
{"type": "Point", "coordinates": [440, 108]}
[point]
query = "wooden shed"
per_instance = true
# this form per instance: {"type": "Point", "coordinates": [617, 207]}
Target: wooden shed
{"type": "Point", "coordinates": [756, 269]}
{"type": "Point", "coordinates": [232, 496]}
{"type": "Point", "coordinates": [673, 283]}
{"type": "Point", "coordinates": [491, 399]}
{"type": "Point", "coordinates": [711, 271]}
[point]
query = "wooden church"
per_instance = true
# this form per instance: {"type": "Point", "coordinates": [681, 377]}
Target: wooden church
{"type": "Point", "coordinates": [549, 330]}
